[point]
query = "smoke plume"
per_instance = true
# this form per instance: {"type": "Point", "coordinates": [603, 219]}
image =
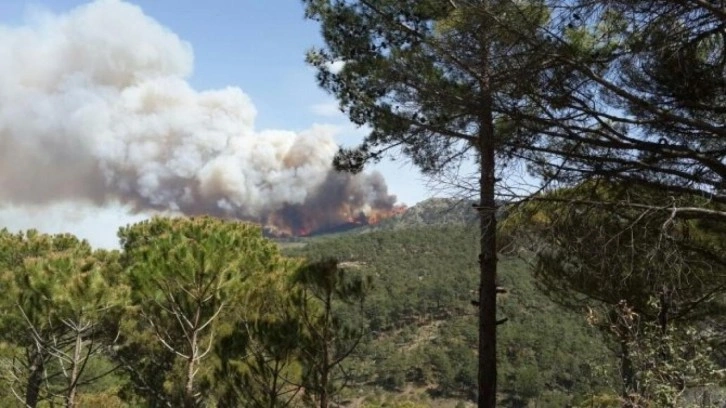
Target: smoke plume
{"type": "Point", "coordinates": [95, 106]}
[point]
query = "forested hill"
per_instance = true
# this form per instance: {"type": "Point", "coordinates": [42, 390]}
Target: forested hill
{"type": "Point", "coordinates": [423, 341]}
{"type": "Point", "coordinates": [434, 211]}
{"type": "Point", "coordinates": [283, 332]}
{"type": "Point", "coordinates": [430, 212]}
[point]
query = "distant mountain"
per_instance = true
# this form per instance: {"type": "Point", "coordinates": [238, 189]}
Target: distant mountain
{"type": "Point", "coordinates": [433, 211]}
{"type": "Point", "coordinates": [430, 212]}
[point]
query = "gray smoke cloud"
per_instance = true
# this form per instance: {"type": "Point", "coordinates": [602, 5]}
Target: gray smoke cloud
{"type": "Point", "coordinates": [95, 106]}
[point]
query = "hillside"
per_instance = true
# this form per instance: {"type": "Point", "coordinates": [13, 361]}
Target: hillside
{"type": "Point", "coordinates": [433, 211]}
{"type": "Point", "coordinates": [430, 212]}
{"type": "Point", "coordinates": [423, 328]}
{"type": "Point", "coordinates": [419, 326]}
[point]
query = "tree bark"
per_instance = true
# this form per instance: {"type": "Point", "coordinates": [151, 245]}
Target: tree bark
{"type": "Point", "coordinates": [35, 379]}
{"type": "Point", "coordinates": [324, 387]}
{"type": "Point", "coordinates": [627, 372]}
{"type": "Point", "coordinates": [273, 392]}
{"type": "Point", "coordinates": [488, 256]}
{"type": "Point", "coordinates": [487, 286]}
{"type": "Point", "coordinates": [189, 386]}
{"type": "Point", "coordinates": [325, 374]}
{"type": "Point", "coordinates": [73, 388]}
{"type": "Point", "coordinates": [189, 400]}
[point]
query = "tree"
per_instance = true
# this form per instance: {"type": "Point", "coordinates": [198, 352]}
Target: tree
{"type": "Point", "coordinates": [636, 94]}
{"type": "Point", "coordinates": [437, 80]}
{"type": "Point", "coordinates": [184, 274]}
{"type": "Point", "coordinates": [58, 297]}
{"type": "Point", "coordinates": [271, 377]}
{"type": "Point", "coordinates": [328, 338]}
{"type": "Point", "coordinates": [628, 90]}
{"type": "Point", "coordinates": [259, 354]}
{"type": "Point", "coordinates": [648, 279]}
{"type": "Point", "coordinates": [637, 98]}
{"type": "Point", "coordinates": [81, 303]}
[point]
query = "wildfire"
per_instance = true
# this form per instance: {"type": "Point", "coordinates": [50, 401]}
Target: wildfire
{"type": "Point", "coordinates": [293, 221]}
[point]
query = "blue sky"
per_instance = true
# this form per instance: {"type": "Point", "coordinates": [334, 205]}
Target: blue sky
{"type": "Point", "coordinates": [256, 45]}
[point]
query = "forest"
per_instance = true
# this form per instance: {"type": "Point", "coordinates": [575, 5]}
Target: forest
{"type": "Point", "coordinates": [581, 263]}
{"type": "Point", "coordinates": [590, 137]}
{"type": "Point", "coordinates": [198, 312]}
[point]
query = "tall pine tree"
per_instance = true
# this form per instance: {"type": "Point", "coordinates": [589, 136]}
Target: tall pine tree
{"type": "Point", "coordinates": [436, 80]}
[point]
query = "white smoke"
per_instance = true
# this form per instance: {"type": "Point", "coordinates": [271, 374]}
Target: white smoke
{"type": "Point", "coordinates": [94, 106]}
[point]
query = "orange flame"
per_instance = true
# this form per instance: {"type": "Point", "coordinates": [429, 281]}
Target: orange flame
{"type": "Point", "coordinates": [279, 224]}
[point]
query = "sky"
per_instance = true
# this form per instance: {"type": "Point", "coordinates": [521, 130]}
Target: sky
{"type": "Point", "coordinates": [255, 45]}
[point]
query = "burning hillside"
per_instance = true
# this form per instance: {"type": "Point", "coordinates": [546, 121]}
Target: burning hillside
{"type": "Point", "coordinates": [310, 225]}
{"type": "Point", "coordinates": [343, 201]}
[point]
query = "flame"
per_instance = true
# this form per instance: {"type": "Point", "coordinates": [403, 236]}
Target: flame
{"type": "Point", "coordinates": [293, 221]}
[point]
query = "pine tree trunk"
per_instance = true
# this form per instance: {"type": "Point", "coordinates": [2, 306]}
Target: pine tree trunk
{"type": "Point", "coordinates": [627, 373]}
{"type": "Point", "coordinates": [324, 390]}
{"type": "Point", "coordinates": [71, 401]}
{"type": "Point", "coordinates": [325, 374]}
{"type": "Point", "coordinates": [35, 379]}
{"type": "Point", "coordinates": [487, 285]}
{"type": "Point", "coordinates": [189, 385]}
{"type": "Point", "coordinates": [189, 399]}
{"type": "Point", "coordinates": [488, 257]}
{"type": "Point", "coordinates": [272, 393]}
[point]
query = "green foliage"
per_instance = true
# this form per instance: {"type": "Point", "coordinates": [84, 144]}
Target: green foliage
{"type": "Point", "coordinates": [635, 93]}
{"type": "Point", "coordinates": [258, 356]}
{"type": "Point", "coordinates": [400, 404]}
{"type": "Point", "coordinates": [419, 272]}
{"type": "Point", "coordinates": [284, 331]}
{"type": "Point", "coordinates": [186, 276]}
{"type": "Point", "coordinates": [646, 276]}
{"type": "Point", "coordinates": [55, 312]}
{"type": "Point", "coordinates": [608, 252]}
{"type": "Point", "coordinates": [665, 361]}
{"type": "Point", "coordinates": [330, 335]}
{"type": "Point", "coordinates": [425, 329]}
{"type": "Point", "coordinates": [415, 73]}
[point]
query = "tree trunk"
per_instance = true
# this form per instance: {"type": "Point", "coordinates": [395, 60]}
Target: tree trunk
{"type": "Point", "coordinates": [325, 374]}
{"type": "Point", "coordinates": [324, 389]}
{"type": "Point", "coordinates": [73, 388]}
{"type": "Point", "coordinates": [487, 286]}
{"type": "Point", "coordinates": [664, 306]}
{"type": "Point", "coordinates": [35, 379]}
{"type": "Point", "coordinates": [488, 256]}
{"type": "Point", "coordinates": [273, 394]}
{"type": "Point", "coordinates": [189, 385]}
{"type": "Point", "coordinates": [189, 400]}
{"type": "Point", "coordinates": [627, 372]}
